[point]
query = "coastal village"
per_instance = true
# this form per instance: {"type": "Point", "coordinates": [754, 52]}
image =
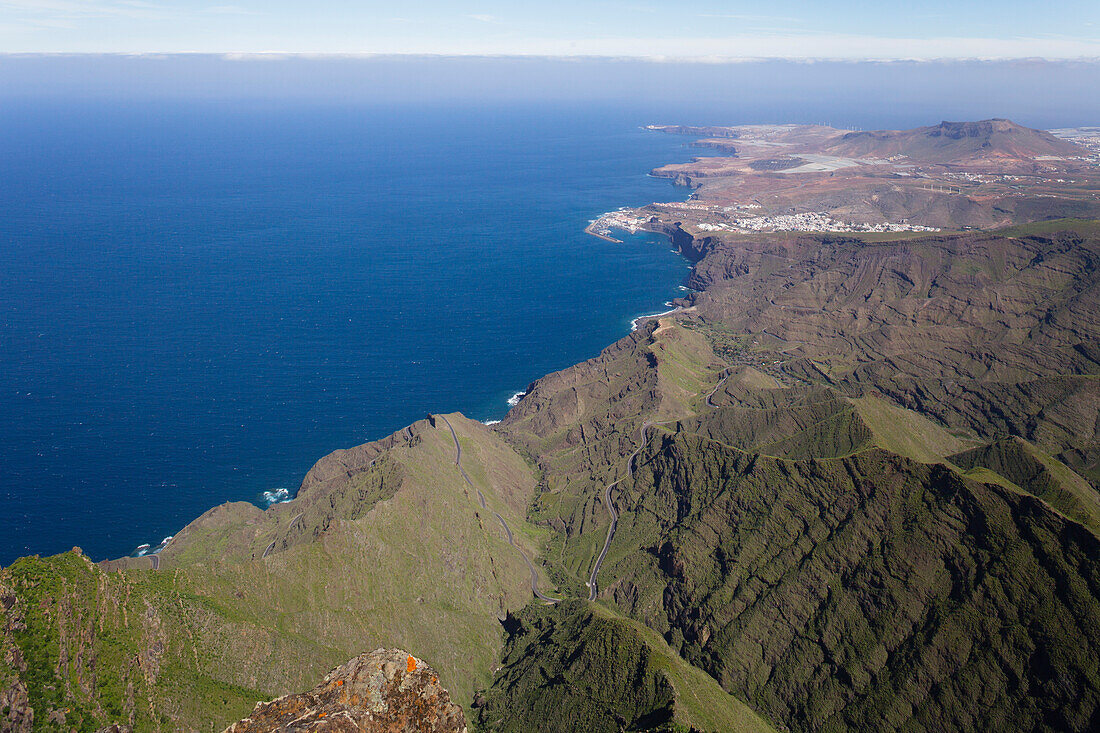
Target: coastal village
{"type": "Point", "coordinates": [814, 178]}
{"type": "Point", "coordinates": [811, 221]}
{"type": "Point", "coordinates": [625, 219]}
{"type": "Point", "coordinates": [738, 218]}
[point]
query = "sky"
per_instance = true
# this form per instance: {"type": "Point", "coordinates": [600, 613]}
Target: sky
{"type": "Point", "coordinates": [703, 30]}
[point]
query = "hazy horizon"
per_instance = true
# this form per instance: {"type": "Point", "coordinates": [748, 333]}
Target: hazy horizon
{"type": "Point", "coordinates": [841, 93]}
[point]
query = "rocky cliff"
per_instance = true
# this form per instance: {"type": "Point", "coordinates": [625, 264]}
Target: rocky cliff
{"type": "Point", "coordinates": [385, 691]}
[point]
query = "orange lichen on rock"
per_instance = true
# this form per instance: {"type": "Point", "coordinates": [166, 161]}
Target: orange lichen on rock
{"type": "Point", "coordinates": [368, 694]}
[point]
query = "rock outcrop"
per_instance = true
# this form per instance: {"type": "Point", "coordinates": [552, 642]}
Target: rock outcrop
{"type": "Point", "coordinates": [16, 714]}
{"type": "Point", "coordinates": [385, 691]}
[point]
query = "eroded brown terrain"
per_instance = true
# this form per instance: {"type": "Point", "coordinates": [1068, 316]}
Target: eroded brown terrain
{"type": "Point", "coordinates": [950, 176]}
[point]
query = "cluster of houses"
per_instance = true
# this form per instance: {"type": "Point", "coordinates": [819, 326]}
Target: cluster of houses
{"type": "Point", "coordinates": [806, 222]}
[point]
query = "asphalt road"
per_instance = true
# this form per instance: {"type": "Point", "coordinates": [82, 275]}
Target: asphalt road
{"type": "Point", "coordinates": [710, 395]}
{"type": "Point", "coordinates": [728, 372]}
{"type": "Point", "coordinates": [507, 530]}
{"type": "Point", "coordinates": [155, 559]}
{"type": "Point", "coordinates": [289, 527]}
{"type": "Point", "coordinates": [458, 459]}
{"type": "Point", "coordinates": [530, 565]}
{"type": "Point", "coordinates": [611, 507]}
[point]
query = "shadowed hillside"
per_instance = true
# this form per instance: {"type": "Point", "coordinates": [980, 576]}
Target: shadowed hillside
{"type": "Point", "coordinates": [580, 667]}
{"type": "Point", "coordinates": [824, 528]}
{"type": "Point", "coordinates": [864, 592]}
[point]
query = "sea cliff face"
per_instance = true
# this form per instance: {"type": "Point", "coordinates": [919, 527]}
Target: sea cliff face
{"type": "Point", "coordinates": [692, 247]}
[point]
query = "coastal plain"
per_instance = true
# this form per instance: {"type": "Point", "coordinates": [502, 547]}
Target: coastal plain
{"type": "Point", "coordinates": [852, 482]}
{"type": "Point", "coordinates": [953, 176]}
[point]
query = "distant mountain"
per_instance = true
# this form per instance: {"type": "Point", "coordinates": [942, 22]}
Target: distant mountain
{"type": "Point", "coordinates": [951, 142]}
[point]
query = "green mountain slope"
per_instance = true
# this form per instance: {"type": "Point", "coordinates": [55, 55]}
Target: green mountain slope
{"type": "Point", "coordinates": [84, 648]}
{"type": "Point", "coordinates": [824, 532]}
{"type": "Point", "coordinates": [1035, 472]}
{"type": "Point", "coordinates": [864, 592]}
{"type": "Point", "coordinates": [577, 666]}
{"type": "Point", "coordinates": [396, 552]}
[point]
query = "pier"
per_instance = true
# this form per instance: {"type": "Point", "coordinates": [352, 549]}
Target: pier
{"type": "Point", "coordinates": [591, 229]}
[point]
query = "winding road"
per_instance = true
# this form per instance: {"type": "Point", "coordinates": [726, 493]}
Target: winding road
{"type": "Point", "coordinates": [507, 530]}
{"type": "Point", "coordinates": [710, 395]}
{"type": "Point", "coordinates": [458, 459]}
{"type": "Point", "coordinates": [611, 506]}
{"type": "Point", "coordinates": [289, 527]}
{"type": "Point", "coordinates": [530, 565]}
{"type": "Point", "coordinates": [154, 558]}
{"type": "Point", "coordinates": [592, 588]}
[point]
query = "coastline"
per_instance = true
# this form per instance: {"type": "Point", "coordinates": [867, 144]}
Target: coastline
{"type": "Point", "coordinates": [660, 433]}
{"type": "Point", "coordinates": [358, 354]}
{"type": "Point", "coordinates": [591, 229]}
{"type": "Point", "coordinates": [263, 499]}
{"type": "Point", "coordinates": [635, 323]}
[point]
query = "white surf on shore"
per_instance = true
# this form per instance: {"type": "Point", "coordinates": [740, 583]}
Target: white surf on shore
{"type": "Point", "coordinates": [278, 496]}
{"type": "Point", "coordinates": [146, 549]}
{"type": "Point", "coordinates": [639, 319]}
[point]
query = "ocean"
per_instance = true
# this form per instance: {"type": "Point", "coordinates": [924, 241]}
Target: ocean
{"type": "Point", "coordinates": [200, 299]}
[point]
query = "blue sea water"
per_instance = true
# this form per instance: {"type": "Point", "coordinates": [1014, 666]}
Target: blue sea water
{"type": "Point", "coordinates": [198, 300]}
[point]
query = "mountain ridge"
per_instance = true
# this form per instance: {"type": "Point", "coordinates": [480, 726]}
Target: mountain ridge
{"type": "Point", "coordinates": [856, 482]}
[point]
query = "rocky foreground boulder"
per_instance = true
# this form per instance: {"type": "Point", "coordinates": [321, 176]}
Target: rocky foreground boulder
{"type": "Point", "coordinates": [385, 691]}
